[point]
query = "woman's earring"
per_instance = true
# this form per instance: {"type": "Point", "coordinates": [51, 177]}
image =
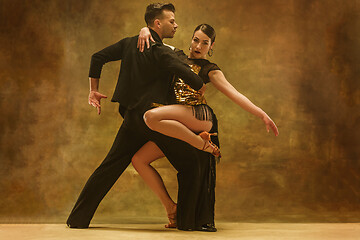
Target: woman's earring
{"type": "Point", "coordinates": [210, 52]}
{"type": "Point", "coordinates": [189, 48]}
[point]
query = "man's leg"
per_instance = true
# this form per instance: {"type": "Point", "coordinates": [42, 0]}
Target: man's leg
{"type": "Point", "coordinates": [126, 143]}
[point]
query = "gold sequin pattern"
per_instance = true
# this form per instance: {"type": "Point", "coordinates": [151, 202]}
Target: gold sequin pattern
{"type": "Point", "coordinates": [185, 94]}
{"type": "Point", "coordinates": [195, 68]}
{"type": "Point", "coordinates": [155, 105]}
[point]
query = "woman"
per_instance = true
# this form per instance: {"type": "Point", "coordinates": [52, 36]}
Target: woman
{"type": "Point", "coordinates": [191, 115]}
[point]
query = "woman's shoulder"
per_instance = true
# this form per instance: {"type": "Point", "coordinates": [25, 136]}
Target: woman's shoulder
{"type": "Point", "coordinates": [210, 66]}
{"type": "Point", "coordinates": [213, 66]}
{"type": "Point", "coordinates": [205, 67]}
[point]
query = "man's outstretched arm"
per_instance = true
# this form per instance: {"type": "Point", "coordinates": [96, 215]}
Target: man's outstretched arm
{"type": "Point", "coordinates": [111, 53]}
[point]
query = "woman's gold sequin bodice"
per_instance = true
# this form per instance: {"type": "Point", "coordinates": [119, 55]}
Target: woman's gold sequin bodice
{"type": "Point", "coordinates": [184, 93]}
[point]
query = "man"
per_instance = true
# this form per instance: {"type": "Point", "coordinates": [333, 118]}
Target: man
{"type": "Point", "coordinates": [144, 79]}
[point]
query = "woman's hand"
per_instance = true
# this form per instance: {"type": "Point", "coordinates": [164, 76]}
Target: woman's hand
{"type": "Point", "coordinates": [144, 37]}
{"type": "Point", "coordinates": [270, 124]}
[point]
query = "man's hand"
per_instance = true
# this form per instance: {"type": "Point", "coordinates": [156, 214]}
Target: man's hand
{"type": "Point", "coordinates": [202, 90]}
{"type": "Point", "coordinates": [270, 124]}
{"type": "Point", "coordinates": [94, 100]}
{"type": "Point", "coordinates": [144, 37]}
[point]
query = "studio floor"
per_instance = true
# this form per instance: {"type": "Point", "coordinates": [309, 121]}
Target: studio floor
{"type": "Point", "coordinates": [244, 231]}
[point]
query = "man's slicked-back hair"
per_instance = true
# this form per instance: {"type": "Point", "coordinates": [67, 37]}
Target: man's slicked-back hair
{"type": "Point", "coordinates": [154, 10]}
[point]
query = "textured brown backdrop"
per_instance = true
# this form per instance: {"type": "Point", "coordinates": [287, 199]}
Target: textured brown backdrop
{"type": "Point", "coordinates": [298, 60]}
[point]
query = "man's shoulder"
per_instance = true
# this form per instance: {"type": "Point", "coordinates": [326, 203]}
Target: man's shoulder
{"type": "Point", "coordinates": [129, 44]}
{"type": "Point", "coordinates": [162, 48]}
{"type": "Point", "coordinates": [129, 39]}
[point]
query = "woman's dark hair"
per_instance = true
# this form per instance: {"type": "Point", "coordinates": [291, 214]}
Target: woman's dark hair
{"type": "Point", "coordinates": [208, 30]}
{"type": "Point", "coordinates": [154, 10]}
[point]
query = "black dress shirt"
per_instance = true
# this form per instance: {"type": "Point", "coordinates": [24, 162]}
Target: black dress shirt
{"type": "Point", "coordinates": [145, 77]}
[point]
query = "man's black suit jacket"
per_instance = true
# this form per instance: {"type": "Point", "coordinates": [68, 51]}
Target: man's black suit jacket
{"type": "Point", "coordinates": [144, 78]}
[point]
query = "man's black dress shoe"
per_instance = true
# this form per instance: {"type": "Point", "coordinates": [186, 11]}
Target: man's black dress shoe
{"type": "Point", "coordinates": [207, 228]}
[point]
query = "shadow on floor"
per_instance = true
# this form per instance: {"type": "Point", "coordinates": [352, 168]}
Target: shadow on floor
{"type": "Point", "coordinates": [137, 229]}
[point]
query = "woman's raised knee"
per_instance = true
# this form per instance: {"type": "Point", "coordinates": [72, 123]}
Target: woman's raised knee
{"type": "Point", "coordinates": [151, 118]}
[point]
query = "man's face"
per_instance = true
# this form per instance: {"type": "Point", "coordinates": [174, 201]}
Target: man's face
{"type": "Point", "coordinates": [168, 25]}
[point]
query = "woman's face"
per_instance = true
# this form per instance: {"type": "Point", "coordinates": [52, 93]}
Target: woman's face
{"type": "Point", "coordinates": [200, 45]}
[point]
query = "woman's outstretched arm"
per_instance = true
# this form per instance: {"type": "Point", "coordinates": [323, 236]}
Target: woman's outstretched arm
{"type": "Point", "coordinates": [218, 79]}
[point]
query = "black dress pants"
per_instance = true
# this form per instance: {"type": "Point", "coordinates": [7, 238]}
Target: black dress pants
{"type": "Point", "coordinates": [195, 205]}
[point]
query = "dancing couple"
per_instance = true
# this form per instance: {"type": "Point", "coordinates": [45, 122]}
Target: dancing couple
{"type": "Point", "coordinates": [160, 92]}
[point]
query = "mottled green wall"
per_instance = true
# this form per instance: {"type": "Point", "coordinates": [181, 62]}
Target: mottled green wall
{"type": "Point", "coordinates": [297, 59]}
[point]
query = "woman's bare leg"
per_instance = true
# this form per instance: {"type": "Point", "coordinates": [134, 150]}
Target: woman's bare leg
{"type": "Point", "coordinates": [179, 122]}
{"type": "Point", "coordinates": [141, 161]}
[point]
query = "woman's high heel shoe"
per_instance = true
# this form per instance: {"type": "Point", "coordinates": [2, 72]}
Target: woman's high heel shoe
{"type": "Point", "coordinates": [172, 221]}
{"type": "Point", "coordinates": [208, 143]}
{"type": "Point", "coordinates": [172, 218]}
